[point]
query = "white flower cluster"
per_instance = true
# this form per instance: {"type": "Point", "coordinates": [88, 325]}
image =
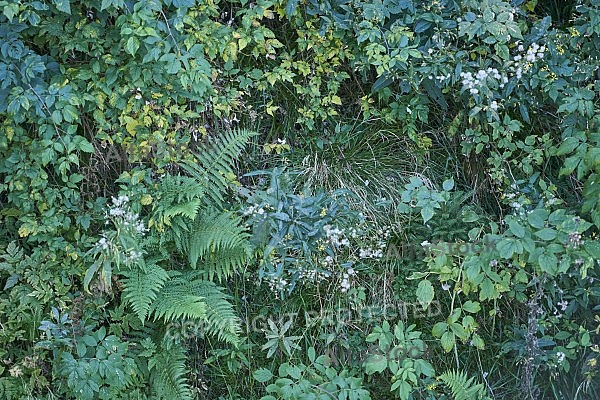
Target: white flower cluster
{"type": "Point", "coordinates": [277, 283]}
{"type": "Point", "coordinates": [314, 275]}
{"type": "Point", "coordinates": [376, 251]}
{"type": "Point", "coordinates": [120, 209]}
{"type": "Point", "coordinates": [336, 237]}
{"type": "Point", "coordinates": [474, 82]}
{"type": "Point", "coordinates": [103, 243]}
{"type": "Point", "coordinates": [346, 276]}
{"type": "Point", "coordinates": [560, 357]}
{"type": "Point", "coordinates": [524, 60]}
{"type": "Point", "coordinates": [256, 209]}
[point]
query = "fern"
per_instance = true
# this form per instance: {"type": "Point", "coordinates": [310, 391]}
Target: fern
{"type": "Point", "coordinates": [177, 300]}
{"type": "Point", "coordinates": [177, 196]}
{"type": "Point", "coordinates": [141, 287]}
{"type": "Point", "coordinates": [220, 319]}
{"type": "Point", "coordinates": [219, 241]}
{"type": "Point", "coordinates": [189, 296]}
{"type": "Point", "coordinates": [168, 373]}
{"type": "Point", "coordinates": [463, 387]}
{"type": "Point", "coordinates": [214, 165]}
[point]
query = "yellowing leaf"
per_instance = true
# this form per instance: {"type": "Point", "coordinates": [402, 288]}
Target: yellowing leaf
{"type": "Point", "coordinates": [146, 199]}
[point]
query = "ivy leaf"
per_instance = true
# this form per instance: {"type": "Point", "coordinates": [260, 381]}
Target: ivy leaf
{"type": "Point", "coordinates": [425, 293]}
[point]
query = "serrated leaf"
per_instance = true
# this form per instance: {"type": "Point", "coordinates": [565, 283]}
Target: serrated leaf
{"type": "Point", "coordinates": [262, 375]}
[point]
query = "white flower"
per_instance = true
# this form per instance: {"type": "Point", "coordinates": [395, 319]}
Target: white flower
{"type": "Point", "coordinates": [560, 357]}
{"type": "Point", "coordinates": [563, 305]}
{"type": "Point", "coordinates": [430, 51]}
{"type": "Point", "coordinates": [446, 286]}
{"type": "Point", "coordinates": [408, 110]}
{"type": "Point", "coordinates": [494, 105]}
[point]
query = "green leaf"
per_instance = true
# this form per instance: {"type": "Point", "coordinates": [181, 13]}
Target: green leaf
{"type": "Point", "coordinates": [546, 234]}
{"type": "Point", "coordinates": [439, 329]}
{"type": "Point", "coordinates": [86, 146]}
{"type": "Point", "coordinates": [448, 341]}
{"type": "Point", "coordinates": [375, 363]}
{"type": "Point", "coordinates": [448, 184]}
{"type": "Point", "coordinates": [427, 213]}
{"type": "Point", "coordinates": [516, 228]}
{"type": "Point", "coordinates": [132, 45]}
{"type": "Point", "coordinates": [488, 290]}
{"type": "Point", "coordinates": [63, 5]}
{"type": "Point", "coordinates": [311, 354]}
{"type": "Point", "coordinates": [425, 293]}
{"type": "Point", "coordinates": [262, 375]}
{"type": "Point", "coordinates": [548, 263]}
{"type": "Point", "coordinates": [537, 218]}
{"type": "Point", "coordinates": [471, 306]}
{"type": "Point", "coordinates": [567, 146]}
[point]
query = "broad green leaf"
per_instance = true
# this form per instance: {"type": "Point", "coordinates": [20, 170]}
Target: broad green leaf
{"type": "Point", "coordinates": [537, 218]}
{"type": "Point", "coordinates": [448, 341]}
{"type": "Point", "coordinates": [517, 229]}
{"type": "Point", "coordinates": [471, 306]}
{"type": "Point", "coordinates": [132, 46]}
{"type": "Point", "coordinates": [427, 213]}
{"type": "Point", "coordinates": [262, 375]}
{"type": "Point", "coordinates": [63, 5]}
{"type": "Point", "coordinates": [425, 293]}
{"type": "Point", "coordinates": [448, 184]}
{"type": "Point", "coordinates": [546, 234]}
{"type": "Point", "coordinates": [548, 263]}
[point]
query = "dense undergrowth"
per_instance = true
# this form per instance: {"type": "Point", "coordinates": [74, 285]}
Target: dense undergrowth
{"type": "Point", "coordinates": [299, 199]}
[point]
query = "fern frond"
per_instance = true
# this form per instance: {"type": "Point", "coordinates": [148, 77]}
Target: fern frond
{"type": "Point", "coordinates": [463, 387]}
{"type": "Point", "coordinates": [168, 373]}
{"type": "Point", "coordinates": [141, 287]}
{"type": "Point", "coordinates": [219, 241]}
{"type": "Point", "coordinates": [188, 296]}
{"type": "Point", "coordinates": [221, 320]}
{"type": "Point", "coordinates": [177, 196]}
{"type": "Point", "coordinates": [177, 300]}
{"type": "Point", "coordinates": [214, 163]}
{"type": "Point", "coordinates": [10, 388]}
